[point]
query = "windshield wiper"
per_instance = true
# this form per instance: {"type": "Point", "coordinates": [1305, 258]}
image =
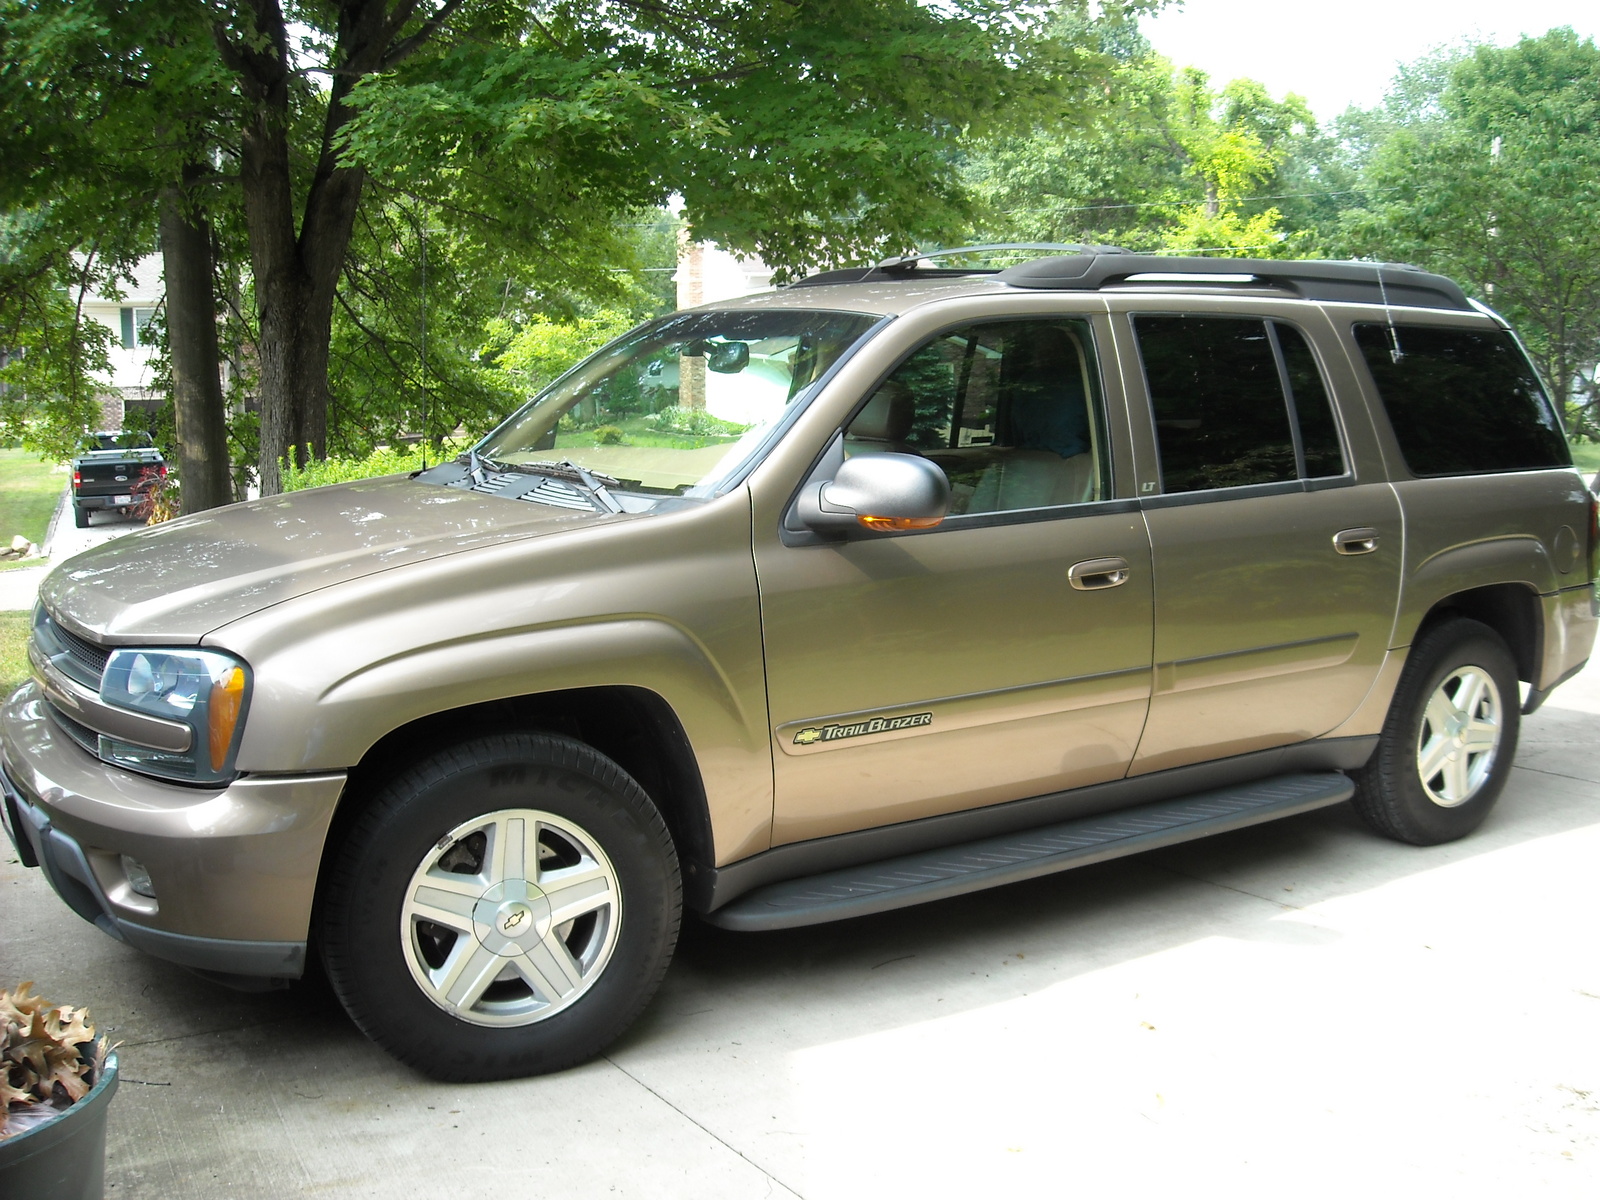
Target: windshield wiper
{"type": "Point", "coordinates": [566, 469]}
{"type": "Point", "coordinates": [593, 482]}
{"type": "Point", "coordinates": [475, 465]}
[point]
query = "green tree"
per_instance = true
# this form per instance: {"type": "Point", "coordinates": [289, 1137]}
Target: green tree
{"type": "Point", "coordinates": [1162, 161]}
{"type": "Point", "coordinates": [105, 141]}
{"type": "Point", "coordinates": [805, 130]}
{"type": "Point", "coordinates": [50, 354]}
{"type": "Point", "coordinates": [1485, 165]}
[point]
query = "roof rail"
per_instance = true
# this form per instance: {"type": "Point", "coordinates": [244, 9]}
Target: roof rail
{"type": "Point", "coordinates": [909, 262]}
{"type": "Point", "coordinates": [910, 265]}
{"type": "Point", "coordinates": [1391, 284]}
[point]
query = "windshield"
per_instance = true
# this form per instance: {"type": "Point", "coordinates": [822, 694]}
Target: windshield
{"type": "Point", "coordinates": [116, 441]}
{"type": "Point", "coordinates": [682, 404]}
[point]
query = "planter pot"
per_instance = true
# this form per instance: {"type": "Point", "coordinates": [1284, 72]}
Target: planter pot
{"type": "Point", "coordinates": [64, 1157]}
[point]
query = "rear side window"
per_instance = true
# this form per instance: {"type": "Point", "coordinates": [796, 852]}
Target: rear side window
{"type": "Point", "coordinates": [1236, 401]}
{"type": "Point", "coordinates": [1462, 401]}
{"type": "Point", "coordinates": [1319, 436]}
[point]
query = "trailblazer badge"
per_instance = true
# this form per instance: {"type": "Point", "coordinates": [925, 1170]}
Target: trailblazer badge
{"type": "Point", "coordinates": [834, 733]}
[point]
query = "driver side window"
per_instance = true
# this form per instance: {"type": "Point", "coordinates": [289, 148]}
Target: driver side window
{"type": "Point", "coordinates": [1010, 411]}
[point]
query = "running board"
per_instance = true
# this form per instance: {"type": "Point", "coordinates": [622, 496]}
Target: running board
{"type": "Point", "coordinates": [954, 871]}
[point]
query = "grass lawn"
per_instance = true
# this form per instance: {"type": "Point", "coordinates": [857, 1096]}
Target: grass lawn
{"type": "Point", "coordinates": [13, 651]}
{"type": "Point", "coordinates": [1586, 456]}
{"type": "Point", "coordinates": [29, 491]}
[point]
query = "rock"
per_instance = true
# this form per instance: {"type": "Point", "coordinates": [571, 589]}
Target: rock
{"type": "Point", "coordinates": [20, 544]}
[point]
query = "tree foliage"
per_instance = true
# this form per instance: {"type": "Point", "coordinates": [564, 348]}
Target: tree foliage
{"type": "Point", "coordinates": [808, 131]}
{"type": "Point", "coordinates": [1161, 160]}
{"type": "Point", "coordinates": [416, 212]}
{"type": "Point", "coordinates": [50, 356]}
{"type": "Point", "coordinates": [1485, 166]}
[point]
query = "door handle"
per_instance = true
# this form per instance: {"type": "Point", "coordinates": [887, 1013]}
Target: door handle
{"type": "Point", "coordinates": [1095, 574]}
{"type": "Point", "coordinates": [1356, 541]}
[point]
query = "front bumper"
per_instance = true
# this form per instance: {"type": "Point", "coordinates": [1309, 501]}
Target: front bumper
{"type": "Point", "coordinates": [234, 868]}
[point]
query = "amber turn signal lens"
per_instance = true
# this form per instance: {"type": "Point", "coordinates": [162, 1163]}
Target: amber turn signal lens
{"type": "Point", "coordinates": [227, 697]}
{"type": "Point", "coordinates": [893, 524]}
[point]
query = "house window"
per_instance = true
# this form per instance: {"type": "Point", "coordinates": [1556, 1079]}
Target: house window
{"type": "Point", "coordinates": [136, 327]}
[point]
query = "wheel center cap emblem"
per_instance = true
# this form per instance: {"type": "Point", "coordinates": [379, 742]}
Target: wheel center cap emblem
{"type": "Point", "coordinates": [511, 916]}
{"type": "Point", "coordinates": [514, 919]}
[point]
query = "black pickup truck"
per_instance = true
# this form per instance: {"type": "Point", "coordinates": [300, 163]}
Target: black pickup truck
{"type": "Point", "coordinates": [115, 470]}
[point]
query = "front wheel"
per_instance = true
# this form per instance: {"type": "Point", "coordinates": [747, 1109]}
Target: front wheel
{"type": "Point", "coordinates": [507, 907]}
{"type": "Point", "coordinates": [1447, 744]}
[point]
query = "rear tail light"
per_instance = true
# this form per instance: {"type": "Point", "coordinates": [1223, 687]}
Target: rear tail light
{"type": "Point", "coordinates": [1594, 537]}
{"type": "Point", "coordinates": [77, 478]}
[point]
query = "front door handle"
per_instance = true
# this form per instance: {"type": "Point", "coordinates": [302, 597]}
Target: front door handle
{"type": "Point", "coordinates": [1095, 574]}
{"type": "Point", "coordinates": [1356, 541]}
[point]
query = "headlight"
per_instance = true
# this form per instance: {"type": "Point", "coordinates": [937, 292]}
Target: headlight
{"type": "Point", "coordinates": [202, 689]}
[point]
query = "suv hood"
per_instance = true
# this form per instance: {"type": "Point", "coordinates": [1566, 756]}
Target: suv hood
{"type": "Point", "coordinates": [179, 581]}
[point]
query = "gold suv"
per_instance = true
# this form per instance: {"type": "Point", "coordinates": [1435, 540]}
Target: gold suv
{"type": "Point", "coordinates": [888, 586]}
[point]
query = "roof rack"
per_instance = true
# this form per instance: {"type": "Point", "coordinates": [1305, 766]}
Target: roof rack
{"type": "Point", "coordinates": [1391, 284]}
{"type": "Point", "coordinates": [907, 266]}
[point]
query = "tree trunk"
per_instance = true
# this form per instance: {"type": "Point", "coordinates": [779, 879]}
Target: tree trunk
{"type": "Point", "coordinates": [296, 274]}
{"type": "Point", "coordinates": [186, 260]}
{"type": "Point", "coordinates": [295, 286]}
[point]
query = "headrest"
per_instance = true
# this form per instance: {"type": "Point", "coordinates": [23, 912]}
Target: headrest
{"type": "Point", "coordinates": [887, 416]}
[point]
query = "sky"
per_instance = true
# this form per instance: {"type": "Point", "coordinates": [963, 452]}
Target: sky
{"type": "Point", "coordinates": [1344, 53]}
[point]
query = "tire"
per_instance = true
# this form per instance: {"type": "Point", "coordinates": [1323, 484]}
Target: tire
{"type": "Point", "coordinates": [448, 952]}
{"type": "Point", "coordinates": [1447, 744]}
{"type": "Point", "coordinates": [80, 517]}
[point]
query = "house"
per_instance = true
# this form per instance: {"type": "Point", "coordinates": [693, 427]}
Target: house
{"type": "Point", "coordinates": [707, 273]}
{"type": "Point", "coordinates": [129, 317]}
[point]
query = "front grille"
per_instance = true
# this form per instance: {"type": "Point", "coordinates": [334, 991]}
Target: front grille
{"type": "Point", "coordinates": [83, 652]}
{"type": "Point", "coordinates": [76, 657]}
{"type": "Point", "coordinates": [82, 734]}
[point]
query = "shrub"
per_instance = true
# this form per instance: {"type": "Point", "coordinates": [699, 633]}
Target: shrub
{"type": "Point", "coordinates": [608, 435]}
{"type": "Point", "coordinates": [156, 496]}
{"type": "Point", "coordinates": [385, 460]}
{"type": "Point", "coordinates": [693, 422]}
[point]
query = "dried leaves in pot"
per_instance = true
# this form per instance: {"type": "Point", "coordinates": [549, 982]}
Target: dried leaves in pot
{"type": "Point", "coordinates": [49, 1059]}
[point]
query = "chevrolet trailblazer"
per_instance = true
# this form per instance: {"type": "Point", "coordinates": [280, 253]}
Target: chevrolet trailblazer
{"type": "Point", "coordinates": [883, 587]}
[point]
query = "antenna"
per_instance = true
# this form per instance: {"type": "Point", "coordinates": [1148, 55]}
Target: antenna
{"type": "Point", "coordinates": [1395, 353]}
{"type": "Point", "coordinates": [422, 237]}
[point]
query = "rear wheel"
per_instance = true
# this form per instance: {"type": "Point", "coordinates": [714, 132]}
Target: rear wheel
{"type": "Point", "coordinates": [1448, 741]}
{"type": "Point", "coordinates": [505, 908]}
{"type": "Point", "coordinates": [80, 517]}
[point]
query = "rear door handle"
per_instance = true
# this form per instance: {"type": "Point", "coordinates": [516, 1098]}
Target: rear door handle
{"type": "Point", "coordinates": [1356, 541]}
{"type": "Point", "coordinates": [1096, 574]}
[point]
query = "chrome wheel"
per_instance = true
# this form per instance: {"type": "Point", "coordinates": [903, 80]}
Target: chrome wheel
{"type": "Point", "coordinates": [1460, 736]}
{"type": "Point", "coordinates": [510, 918]}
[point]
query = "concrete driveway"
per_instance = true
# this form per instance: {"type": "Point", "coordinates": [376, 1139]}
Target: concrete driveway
{"type": "Point", "coordinates": [19, 585]}
{"type": "Point", "coordinates": [1301, 1008]}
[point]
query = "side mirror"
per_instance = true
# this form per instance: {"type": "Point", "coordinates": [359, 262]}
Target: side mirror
{"type": "Point", "coordinates": [880, 492]}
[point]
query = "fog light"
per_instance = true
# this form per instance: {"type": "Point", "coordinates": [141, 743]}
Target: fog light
{"type": "Point", "coordinates": [138, 877]}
